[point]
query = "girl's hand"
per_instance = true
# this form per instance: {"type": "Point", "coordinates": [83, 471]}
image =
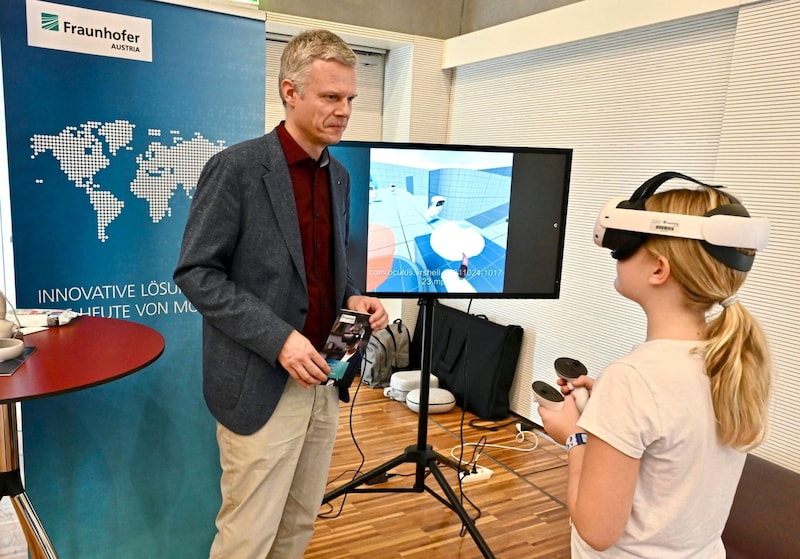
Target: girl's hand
{"type": "Point", "coordinates": [584, 380]}
{"type": "Point", "coordinates": [561, 424]}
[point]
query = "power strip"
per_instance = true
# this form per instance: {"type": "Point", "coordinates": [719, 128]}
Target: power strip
{"type": "Point", "coordinates": [480, 474]}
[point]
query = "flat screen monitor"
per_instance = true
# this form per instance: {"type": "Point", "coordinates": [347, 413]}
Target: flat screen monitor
{"type": "Point", "coordinates": [456, 221]}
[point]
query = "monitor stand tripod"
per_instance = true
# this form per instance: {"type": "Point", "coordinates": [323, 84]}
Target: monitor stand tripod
{"type": "Point", "coordinates": [422, 454]}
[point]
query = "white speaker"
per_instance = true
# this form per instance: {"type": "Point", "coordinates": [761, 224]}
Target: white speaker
{"type": "Point", "coordinates": [403, 382]}
{"type": "Point", "coordinates": [439, 401]}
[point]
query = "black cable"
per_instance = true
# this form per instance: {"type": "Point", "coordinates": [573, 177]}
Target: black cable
{"type": "Point", "coordinates": [327, 515]}
{"type": "Point", "coordinates": [477, 516]}
{"type": "Point", "coordinates": [494, 426]}
{"type": "Point", "coordinates": [473, 461]}
{"type": "Point", "coordinates": [477, 450]}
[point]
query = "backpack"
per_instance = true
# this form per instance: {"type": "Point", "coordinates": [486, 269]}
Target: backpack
{"type": "Point", "coordinates": [387, 352]}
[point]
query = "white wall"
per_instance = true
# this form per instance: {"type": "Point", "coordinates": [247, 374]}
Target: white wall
{"type": "Point", "coordinates": [716, 96]}
{"type": "Point", "coordinates": [586, 19]}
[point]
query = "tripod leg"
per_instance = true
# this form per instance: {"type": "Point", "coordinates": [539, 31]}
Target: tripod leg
{"type": "Point", "coordinates": [348, 487]}
{"type": "Point", "coordinates": [458, 508]}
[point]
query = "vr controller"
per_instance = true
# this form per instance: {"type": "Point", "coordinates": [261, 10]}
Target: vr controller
{"type": "Point", "coordinates": [551, 398]}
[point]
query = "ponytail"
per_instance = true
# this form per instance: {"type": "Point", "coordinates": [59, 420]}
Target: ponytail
{"type": "Point", "coordinates": [738, 366]}
{"type": "Point", "coordinates": [736, 355]}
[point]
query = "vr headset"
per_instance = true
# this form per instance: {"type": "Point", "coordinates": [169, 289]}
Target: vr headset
{"type": "Point", "coordinates": [352, 336]}
{"type": "Point", "coordinates": [624, 225]}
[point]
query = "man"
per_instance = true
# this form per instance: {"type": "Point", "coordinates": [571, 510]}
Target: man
{"type": "Point", "coordinates": [351, 352]}
{"type": "Point", "coordinates": [263, 260]}
{"type": "Point", "coordinates": [353, 357]}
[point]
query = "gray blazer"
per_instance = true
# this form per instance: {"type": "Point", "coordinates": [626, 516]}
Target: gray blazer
{"type": "Point", "coordinates": [241, 265]}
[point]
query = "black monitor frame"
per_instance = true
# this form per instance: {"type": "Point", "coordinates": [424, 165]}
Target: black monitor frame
{"type": "Point", "coordinates": [523, 263]}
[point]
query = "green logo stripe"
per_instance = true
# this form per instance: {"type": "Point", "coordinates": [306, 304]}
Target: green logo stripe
{"type": "Point", "coordinates": [50, 22]}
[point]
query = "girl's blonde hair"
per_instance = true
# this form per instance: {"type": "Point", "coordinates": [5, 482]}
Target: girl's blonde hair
{"type": "Point", "coordinates": [736, 354]}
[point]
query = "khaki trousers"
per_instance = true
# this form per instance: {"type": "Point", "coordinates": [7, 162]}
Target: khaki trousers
{"type": "Point", "coordinates": [273, 481]}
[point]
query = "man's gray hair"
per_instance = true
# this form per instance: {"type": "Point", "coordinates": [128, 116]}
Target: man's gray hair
{"type": "Point", "coordinates": [305, 48]}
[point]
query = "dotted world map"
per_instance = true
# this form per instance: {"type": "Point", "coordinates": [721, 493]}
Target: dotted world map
{"type": "Point", "coordinates": [85, 150]}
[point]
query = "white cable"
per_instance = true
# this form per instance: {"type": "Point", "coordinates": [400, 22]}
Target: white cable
{"type": "Point", "coordinates": [520, 438]}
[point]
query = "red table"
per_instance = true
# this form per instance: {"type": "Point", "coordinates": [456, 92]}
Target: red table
{"type": "Point", "coordinates": [84, 353]}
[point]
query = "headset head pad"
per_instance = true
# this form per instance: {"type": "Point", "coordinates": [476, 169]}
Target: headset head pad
{"type": "Point", "coordinates": [721, 231]}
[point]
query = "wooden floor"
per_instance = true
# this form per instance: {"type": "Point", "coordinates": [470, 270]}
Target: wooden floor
{"type": "Point", "coordinates": [522, 512]}
{"type": "Point", "coordinates": [12, 542]}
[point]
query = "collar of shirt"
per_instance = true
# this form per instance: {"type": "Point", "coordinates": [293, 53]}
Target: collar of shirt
{"type": "Point", "coordinates": [296, 154]}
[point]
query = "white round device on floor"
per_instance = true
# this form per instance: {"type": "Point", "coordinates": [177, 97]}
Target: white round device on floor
{"type": "Point", "coordinates": [439, 401]}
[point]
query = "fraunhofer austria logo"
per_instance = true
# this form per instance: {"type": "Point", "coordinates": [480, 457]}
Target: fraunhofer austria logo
{"type": "Point", "coordinates": [69, 28]}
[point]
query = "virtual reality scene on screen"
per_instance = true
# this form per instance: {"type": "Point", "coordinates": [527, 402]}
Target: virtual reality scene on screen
{"type": "Point", "coordinates": [450, 220]}
{"type": "Point", "coordinates": [438, 221]}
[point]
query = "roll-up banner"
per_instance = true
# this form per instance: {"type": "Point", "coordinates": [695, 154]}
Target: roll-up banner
{"type": "Point", "coordinates": [112, 107]}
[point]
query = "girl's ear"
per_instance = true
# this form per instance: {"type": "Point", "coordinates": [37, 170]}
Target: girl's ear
{"type": "Point", "coordinates": [660, 271]}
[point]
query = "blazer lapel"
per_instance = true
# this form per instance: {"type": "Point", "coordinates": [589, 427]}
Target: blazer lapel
{"type": "Point", "coordinates": [278, 183]}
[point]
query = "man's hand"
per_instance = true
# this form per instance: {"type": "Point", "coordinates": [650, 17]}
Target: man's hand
{"type": "Point", "coordinates": [378, 319]}
{"type": "Point", "coordinates": [302, 361]}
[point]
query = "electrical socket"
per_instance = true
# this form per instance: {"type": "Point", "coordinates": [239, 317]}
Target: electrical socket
{"type": "Point", "coordinates": [480, 474]}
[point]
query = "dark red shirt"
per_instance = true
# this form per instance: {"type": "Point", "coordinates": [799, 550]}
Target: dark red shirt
{"type": "Point", "coordinates": [312, 196]}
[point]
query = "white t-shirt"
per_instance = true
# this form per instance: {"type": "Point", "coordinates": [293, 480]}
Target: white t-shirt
{"type": "Point", "coordinates": [655, 405]}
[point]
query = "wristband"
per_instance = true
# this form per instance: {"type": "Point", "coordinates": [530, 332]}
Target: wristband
{"type": "Point", "coordinates": [576, 440]}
